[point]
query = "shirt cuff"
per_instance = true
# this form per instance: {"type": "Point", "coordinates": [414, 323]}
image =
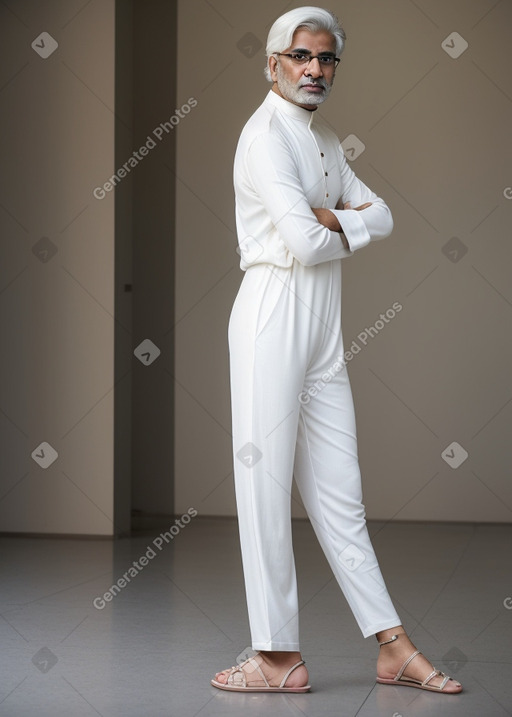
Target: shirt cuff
{"type": "Point", "coordinates": [353, 227]}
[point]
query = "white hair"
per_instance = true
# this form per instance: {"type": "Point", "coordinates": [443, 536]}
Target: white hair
{"type": "Point", "coordinates": [315, 19]}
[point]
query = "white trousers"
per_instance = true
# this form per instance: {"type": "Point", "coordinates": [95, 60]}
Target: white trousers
{"type": "Point", "coordinates": [285, 338]}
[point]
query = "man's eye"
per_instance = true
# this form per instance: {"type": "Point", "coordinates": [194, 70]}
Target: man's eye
{"type": "Point", "coordinates": [326, 59]}
{"type": "Point", "coordinates": [300, 56]}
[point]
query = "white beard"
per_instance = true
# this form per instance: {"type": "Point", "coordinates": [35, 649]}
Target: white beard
{"type": "Point", "coordinates": [298, 95]}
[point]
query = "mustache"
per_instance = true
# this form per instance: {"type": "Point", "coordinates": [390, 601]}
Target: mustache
{"type": "Point", "coordinates": [318, 83]}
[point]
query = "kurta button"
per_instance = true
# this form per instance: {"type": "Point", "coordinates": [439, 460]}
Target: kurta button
{"type": "Point", "coordinates": [327, 194]}
{"type": "Point", "coordinates": [326, 174]}
{"type": "Point", "coordinates": [322, 154]}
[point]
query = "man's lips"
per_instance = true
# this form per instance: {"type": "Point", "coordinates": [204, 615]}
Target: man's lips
{"type": "Point", "coordinates": [313, 87]}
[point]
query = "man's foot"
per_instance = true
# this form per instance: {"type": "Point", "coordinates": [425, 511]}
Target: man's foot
{"type": "Point", "coordinates": [274, 666]}
{"type": "Point", "coordinates": [393, 655]}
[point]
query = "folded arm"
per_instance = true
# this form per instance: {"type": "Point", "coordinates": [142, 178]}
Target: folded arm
{"type": "Point", "coordinates": [274, 178]}
{"type": "Point", "coordinates": [371, 219]}
{"type": "Point", "coordinates": [328, 219]}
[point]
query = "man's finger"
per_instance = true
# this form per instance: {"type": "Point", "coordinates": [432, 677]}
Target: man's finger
{"type": "Point", "coordinates": [357, 209]}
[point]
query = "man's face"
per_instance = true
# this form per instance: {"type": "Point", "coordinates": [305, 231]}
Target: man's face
{"type": "Point", "coordinates": [304, 85]}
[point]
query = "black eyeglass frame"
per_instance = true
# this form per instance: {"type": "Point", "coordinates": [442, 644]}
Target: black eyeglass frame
{"type": "Point", "coordinates": [293, 56]}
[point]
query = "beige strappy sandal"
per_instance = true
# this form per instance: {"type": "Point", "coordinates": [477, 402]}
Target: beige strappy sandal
{"type": "Point", "coordinates": [237, 680]}
{"type": "Point", "coordinates": [399, 678]}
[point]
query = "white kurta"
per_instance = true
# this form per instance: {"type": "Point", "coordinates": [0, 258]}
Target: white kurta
{"type": "Point", "coordinates": [285, 164]}
{"type": "Point", "coordinates": [284, 337]}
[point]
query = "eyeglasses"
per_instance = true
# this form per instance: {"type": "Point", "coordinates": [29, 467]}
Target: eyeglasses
{"type": "Point", "coordinates": [302, 58]}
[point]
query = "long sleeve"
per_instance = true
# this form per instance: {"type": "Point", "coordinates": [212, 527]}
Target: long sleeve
{"type": "Point", "coordinates": [275, 180]}
{"type": "Point", "coordinates": [360, 227]}
{"type": "Point", "coordinates": [286, 163]}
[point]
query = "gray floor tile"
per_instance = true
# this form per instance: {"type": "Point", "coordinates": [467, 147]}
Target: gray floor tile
{"type": "Point", "coordinates": [152, 649]}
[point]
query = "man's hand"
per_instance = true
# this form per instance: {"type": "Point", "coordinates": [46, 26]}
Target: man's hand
{"type": "Point", "coordinates": [357, 209]}
{"type": "Point", "coordinates": [327, 219]}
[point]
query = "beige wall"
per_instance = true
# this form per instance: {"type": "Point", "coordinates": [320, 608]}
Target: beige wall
{"type": "Point", "coordinates": [437, 136]}
{"type": "Point", "coordinates": [56, 312]}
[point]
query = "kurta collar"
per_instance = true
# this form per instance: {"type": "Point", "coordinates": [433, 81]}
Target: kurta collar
{"type": "Point", "coordinates": [289, 108]}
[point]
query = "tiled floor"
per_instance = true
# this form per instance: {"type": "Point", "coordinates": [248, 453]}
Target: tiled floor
{"type": "Point", "coordinates": [153, 647]}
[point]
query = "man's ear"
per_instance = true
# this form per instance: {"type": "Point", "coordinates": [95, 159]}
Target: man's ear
{"type": "Point", "coordinates": [272, 63]}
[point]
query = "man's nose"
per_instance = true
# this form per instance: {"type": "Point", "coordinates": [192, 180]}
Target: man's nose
{"type": "Point", "coordinates": [314, 68]}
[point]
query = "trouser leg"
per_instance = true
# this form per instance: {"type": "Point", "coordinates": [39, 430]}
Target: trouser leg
{"type": "Point", "coordinates": [266, 377]}
{"type": "Point", "coordinates": [284, 334]}
{"type": "Point", "coordinates": [328, 477]}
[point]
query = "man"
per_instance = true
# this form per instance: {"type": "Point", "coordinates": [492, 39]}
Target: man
{"type": "Point", "coordinates": [300, 210]}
